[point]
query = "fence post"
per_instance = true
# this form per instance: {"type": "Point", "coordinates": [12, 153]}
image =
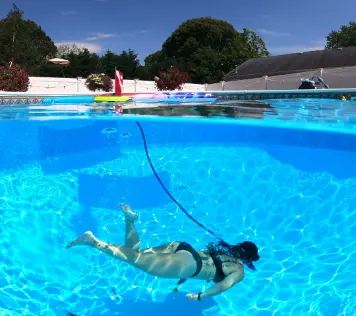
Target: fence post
{"type": "Point", "coordinates": [266, 82]}
{"type": "Point", "coordinates": [78, 83]}
{"type": "Point", "coordinates": [321, 73]}
{"type": "Point", "coordinates": [205, 87]}
{"type": "Point", "coordinates": [222, 85]}
{"type": "Point", "coordinates": [135, 84]}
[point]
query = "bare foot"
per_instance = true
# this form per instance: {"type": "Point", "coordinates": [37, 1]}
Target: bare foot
{"type": "Point", "coordinates": [87, 239]}
{"type": "Point", "coordinates": [130, 215]}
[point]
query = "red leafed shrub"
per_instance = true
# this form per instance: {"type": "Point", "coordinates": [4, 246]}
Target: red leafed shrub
{"type": "Point", "coordinates": [171, 79]}
{"type": "Point", "coordinates": [99, 82]}
{"type": "Point", "coordinates": [13, 78]}
{"type": "Point", "coordinates": [107, 84]}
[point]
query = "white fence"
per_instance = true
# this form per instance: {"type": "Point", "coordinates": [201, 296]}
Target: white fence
{"type": "Point", "coordinates": [336, 78]}
{"type": "Point", "coordinates": [76, 86]}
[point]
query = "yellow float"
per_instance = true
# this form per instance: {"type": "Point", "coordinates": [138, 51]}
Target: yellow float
{"type": "Point", "coordinates": [111, 98]}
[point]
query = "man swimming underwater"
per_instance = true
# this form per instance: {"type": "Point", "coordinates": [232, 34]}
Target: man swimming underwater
{"type": "Point", "coordinates": [221, 263]}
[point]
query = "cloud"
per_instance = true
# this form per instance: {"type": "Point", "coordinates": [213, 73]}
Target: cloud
{"type": "Point", "coordinates": [272, 33]}
{"type": "Point", "coordinates": [316, 45]}
{"type": "Point", "coordinates": [65, 13]}
{"type": "Point", "coordinates": [98, 36]}
{"type": "Point", "coordinates": [94, 48]}
{"type": "Point", "coordinates": [266, 16]}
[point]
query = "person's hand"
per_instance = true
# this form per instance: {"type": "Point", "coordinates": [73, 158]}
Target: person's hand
{"type": "Point", "coordinates": [192, 297]}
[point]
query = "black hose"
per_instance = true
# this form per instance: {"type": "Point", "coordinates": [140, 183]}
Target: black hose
{"type": "Point", "coordinates": [165, 189]}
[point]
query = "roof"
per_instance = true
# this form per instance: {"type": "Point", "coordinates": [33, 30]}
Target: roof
{"type": "Point", "coordinates": [293, 63]}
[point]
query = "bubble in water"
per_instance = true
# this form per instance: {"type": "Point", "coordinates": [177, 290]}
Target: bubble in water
{"type": "Point", "coordinates": [125, 135]}
{"type": "Point", "coordinates": [109, 131]}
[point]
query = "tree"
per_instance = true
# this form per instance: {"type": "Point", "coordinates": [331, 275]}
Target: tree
{"type": "Point", "coordinates": [23, 42]}
{"type": "Point", "coordinates": [207, 48]}
{"type": "Point", "coordinates": [345, 37]}
{"type": "Point", "coordinates": [81, 64]}
{"type": "Point", "coordinates": [66, 49]}
{"type": "Point", "coordinates": [127, 62]}
{"type": "Point", "coordinates": [155, 62]}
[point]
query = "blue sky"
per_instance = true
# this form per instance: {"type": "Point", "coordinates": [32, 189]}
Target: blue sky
{"type": "Point", "coordinates": [286, 26]}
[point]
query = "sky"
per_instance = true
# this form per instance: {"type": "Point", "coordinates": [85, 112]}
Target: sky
{"type": "Point", "coordinates": [286, 26]}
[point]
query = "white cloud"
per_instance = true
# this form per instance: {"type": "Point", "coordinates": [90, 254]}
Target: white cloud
{"type": "Point", "coordinates": [98, 36]}
{"type": "Point", "coordinates": [68, 12]}
{"type": "Point", "coordinates": [94, 48]}
{"type": "Point", "coordinates": [272, 33]}
{"type": "Point", "coordinates": [317, 45]}
{"type": "Point", "coordinates": [132, 34]}
{"type": "Point", "coordinates": [266, 16]}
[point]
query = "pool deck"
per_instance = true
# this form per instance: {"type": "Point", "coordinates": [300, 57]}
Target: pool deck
{"type": "Point", "coordinates": [9, 98]}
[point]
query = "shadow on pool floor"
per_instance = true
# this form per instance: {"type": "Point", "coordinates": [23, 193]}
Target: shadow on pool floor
{"type": "Point", "coordinates": [176, 304]}
{"type": "Point", "coordinates": [110, 191]}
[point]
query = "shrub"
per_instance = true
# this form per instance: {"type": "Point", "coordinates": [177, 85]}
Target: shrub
{"type": "Point", "coordinates": [99, 82]}
{"type": "Point", "coordinates": [13, 78]}
{"type": "Point", "coordinates": [171, 79]}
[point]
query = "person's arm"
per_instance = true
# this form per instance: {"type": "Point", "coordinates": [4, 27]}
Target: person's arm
{"type": "Point", "coordinates": [220, 287]}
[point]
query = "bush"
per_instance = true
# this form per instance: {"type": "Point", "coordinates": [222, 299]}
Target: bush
{"type": "Point", "coordinates": [171, 79]}
{"type": "Point", "coordinates": [99, 82]}
{"type": "Point", "coordinates": [13, 78]}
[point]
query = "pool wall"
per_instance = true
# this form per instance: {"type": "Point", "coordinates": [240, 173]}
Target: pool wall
{"type": "Point", "coordinates": [63, 143]}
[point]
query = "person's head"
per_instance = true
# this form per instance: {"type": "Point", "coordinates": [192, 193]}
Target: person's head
{"type": "Point", "coordinates": [247, 251]}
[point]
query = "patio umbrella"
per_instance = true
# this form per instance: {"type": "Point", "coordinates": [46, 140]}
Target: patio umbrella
{"type": "Point", "coordinates": [59, 61]}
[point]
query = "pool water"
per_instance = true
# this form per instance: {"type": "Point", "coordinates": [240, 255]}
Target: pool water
{"type": "Point", "coordinates": [287, 185]}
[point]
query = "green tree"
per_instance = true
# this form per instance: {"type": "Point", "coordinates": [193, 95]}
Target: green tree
{"type": "Point", "coordinates": [127, 62]}
{"type": "Point", "coordinates": [65, 49]}
{"type": "Point", "coordinates": [81, 64]}
{"type": "Point", "coordinates": [207, 49]}
{"type": "Point", "coordinates": [344, 37]}
{"type": "Point", "coordinates": [23, 42]}
{"type": "Point", "coordinates": [156, 62]}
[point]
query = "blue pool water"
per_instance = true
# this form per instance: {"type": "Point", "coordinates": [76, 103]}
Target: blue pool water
{"type": "Point", "coordinates": [288, 183]}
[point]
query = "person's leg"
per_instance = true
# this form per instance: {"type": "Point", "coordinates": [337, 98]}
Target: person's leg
{"type": "Point", "coordinates": [132, 239]}
{"type": "Point", "coordinates": [166, 265]}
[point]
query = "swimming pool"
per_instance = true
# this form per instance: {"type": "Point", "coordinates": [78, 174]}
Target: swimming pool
{"type": "Point", "coordinates": [285, 180]}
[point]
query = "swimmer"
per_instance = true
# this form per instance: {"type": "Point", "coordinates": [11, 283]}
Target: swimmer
{"type": "Point", "coordinates": [221, 263]}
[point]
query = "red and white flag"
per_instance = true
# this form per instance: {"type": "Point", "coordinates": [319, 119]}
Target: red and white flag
{"type": "Point", "coordinates": [119, 82]}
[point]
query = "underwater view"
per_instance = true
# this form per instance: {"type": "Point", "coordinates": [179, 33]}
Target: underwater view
{"type": "Point", "coordinates": [281, 175]}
